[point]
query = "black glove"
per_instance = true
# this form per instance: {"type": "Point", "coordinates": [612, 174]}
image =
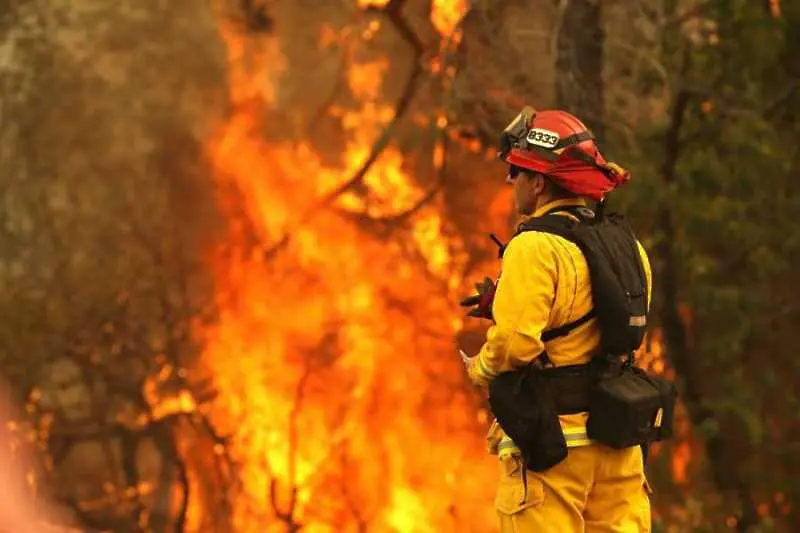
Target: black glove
{"type": "Point", "coordinates": [481, 302]}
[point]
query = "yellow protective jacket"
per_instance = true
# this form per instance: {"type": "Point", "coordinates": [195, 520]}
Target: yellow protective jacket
{"type": "Point", "coordinates": [544, 284]}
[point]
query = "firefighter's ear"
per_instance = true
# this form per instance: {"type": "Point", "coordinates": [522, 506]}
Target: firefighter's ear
{"type": "Point", "coordinates": [537, 183]}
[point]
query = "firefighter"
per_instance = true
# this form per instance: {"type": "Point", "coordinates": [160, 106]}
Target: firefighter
{"type": "Point", "coordinates": [544, 285]}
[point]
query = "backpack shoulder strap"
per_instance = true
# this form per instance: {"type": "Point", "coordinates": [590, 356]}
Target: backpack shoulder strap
{"type": "Point", "coordinates": [566, 329]}
{"type": "Point", "coordinates": [554, 224]}
{"type": "Point", "coordinates": [557, 224]}
{"type": "Point", "coordinates": [563, 226]}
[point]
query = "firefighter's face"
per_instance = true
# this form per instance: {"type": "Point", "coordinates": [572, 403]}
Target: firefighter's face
{"type": "Point", "coordinates": [528, 188]}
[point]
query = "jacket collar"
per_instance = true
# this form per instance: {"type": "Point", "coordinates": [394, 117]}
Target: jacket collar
{"type": "Point", "coordinates": [549, 206]}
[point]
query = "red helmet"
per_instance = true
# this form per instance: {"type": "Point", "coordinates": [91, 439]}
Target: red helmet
{"type": "Point", "coordinates": [558, 145]}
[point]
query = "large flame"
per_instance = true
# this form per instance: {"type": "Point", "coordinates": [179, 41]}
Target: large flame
{"type": "Point", "coordinates": [334, 351]}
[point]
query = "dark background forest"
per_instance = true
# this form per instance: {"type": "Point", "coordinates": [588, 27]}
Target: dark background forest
{"type": "Point", "coordinates": [234, 235]}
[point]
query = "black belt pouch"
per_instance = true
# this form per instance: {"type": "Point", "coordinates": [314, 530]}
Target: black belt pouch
{"type": "Point", "coordinates": [523, 404]}
{"type": "Point", "coordinates": [631, 408]}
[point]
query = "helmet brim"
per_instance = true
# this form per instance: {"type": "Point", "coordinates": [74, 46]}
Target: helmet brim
{"type": "Point", "coordinates": [529, 161]}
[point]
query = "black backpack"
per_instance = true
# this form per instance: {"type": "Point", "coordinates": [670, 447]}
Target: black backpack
{"type": "Point", "coordinates": [619, 285]}
{"type": "Point", "coordinates": [626, 406]}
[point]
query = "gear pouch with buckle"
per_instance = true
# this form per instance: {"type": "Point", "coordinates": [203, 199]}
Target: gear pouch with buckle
{"type": "Point", "coordinates": [631, 408]}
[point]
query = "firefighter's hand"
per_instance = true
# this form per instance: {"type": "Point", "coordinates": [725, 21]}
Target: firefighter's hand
{"type": "Point", "coordinates": [481, 303]}
{"type": "Point", "coordinates": [465, 359]}
{"type": "Point", "coordinates": [468, 362]}
{"type": "Point", "coordinates": [472, 367]}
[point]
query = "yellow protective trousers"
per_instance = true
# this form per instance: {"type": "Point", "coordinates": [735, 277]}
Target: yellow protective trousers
{"type": "Point", "coordinates": [596, 489]}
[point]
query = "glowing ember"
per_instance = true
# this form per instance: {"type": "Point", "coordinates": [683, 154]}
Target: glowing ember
{"type": "Point", "coordinates": [365, 79]}
{"type": "Point", "coordinates": [651, 355]}
{"type": "Point", "coordinates": [680, 462]}
{"type": "Point", "coordinates": [371, 3]}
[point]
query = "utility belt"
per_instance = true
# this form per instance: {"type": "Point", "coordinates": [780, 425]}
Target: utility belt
{"type": "Point", "coordinates": [626, 406]}
{"type": "Point", "coordinates": [571, 386]}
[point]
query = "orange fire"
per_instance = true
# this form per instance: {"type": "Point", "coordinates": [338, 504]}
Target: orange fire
{"type": "Point", "coordinates": [334, 353]}
{"type": "Point", "coordinates": [446, 14]}
{"type": "Point", "coordinates": [684, 445]}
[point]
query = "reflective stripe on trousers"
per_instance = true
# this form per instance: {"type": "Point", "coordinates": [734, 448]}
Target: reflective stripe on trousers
{"type": "Point", "coordinates": [573, 436]}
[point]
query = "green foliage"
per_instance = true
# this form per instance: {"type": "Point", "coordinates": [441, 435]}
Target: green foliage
{"type": "Point", "coordinates": [735, 203]}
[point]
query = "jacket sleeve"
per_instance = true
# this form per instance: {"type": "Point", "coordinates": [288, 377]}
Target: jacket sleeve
{"type": "Point", "coordinates": [522, 304]}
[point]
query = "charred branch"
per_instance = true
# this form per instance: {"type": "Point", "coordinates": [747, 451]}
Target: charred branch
{"type": "Point", "coordinates": [417, 207]}
{"type": "Point", "coordinates": [285, 516]}
{"type": "Point", "coordinates": [350, 501]}
{"type": "Point", "coordinates": [130, 447]}
{"type": "Point", "coordinates": [164, 439]}
{"type": "Point", "coordinates": [337, 86]}
{"type": "Point", "coordinates": [254, 16]}
{"type": "Point", "coordinates": [67, 433]}
{"type": "Point", "coordinates": [162, 436]}
{"type": "Point", "coordinates": [294, 420]}
{"type": "Point", "coordinates": [392, 11]}
{"type": "Point", "coordinates": [276, 248]}
{"type": "Point", "coordinates": [202, 422]}
{"type": "Point", "coordinates": [386, 225]}
{"type": "Point", "coordinates": [183, 508]}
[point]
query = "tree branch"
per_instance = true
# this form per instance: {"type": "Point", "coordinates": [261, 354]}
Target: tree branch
{"type": "Point", "coordinates": [183, 479]}
{"type": "Point", "coordinates": [294, 416]}
{"type": "Point", "coordinates": [392, 11]}
{"type": "Point", "coordinates": [86, 519]}
{"type": "Point", "coordinates": [350, 502]}
{"type": "Point", "coordinates": [130, 447]}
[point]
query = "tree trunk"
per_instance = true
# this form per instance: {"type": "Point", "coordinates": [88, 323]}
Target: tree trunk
{"type": "Point", "coordinates": [721, 450]}
{"type": "Point", "coordinates": [579, 61]}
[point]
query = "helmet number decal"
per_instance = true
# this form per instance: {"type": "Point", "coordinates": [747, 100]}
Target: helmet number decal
{"type": "Point", "coordinates": [543, 138]}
